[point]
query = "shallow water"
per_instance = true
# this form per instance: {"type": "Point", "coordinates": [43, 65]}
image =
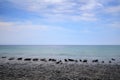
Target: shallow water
{"type": "Point", "coordinates": [61, 51]}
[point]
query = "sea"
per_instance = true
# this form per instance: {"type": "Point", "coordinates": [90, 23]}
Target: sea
{"type": "Point", "coordinates": [61, 51]}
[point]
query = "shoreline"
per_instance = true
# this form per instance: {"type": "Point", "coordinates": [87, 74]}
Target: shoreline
{"type": "Point", "coordinates": [63, 60]}
{"type": "Point", "coordinates": [48, 70]}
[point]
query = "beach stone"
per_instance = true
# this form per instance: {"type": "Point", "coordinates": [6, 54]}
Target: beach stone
{"type": "Point", "coordinates": [80, 60]}
{"type": "Point", "coordinates": [76, 60]}
{"type": "Point", "coordinates": [63, 78]}
{"type": "Point", "coordinates": [102, 61]}
{"type": "Point", "coordinates": [52, 60]}
{"type": "Point", "coordinates": [12, 58]}
{"type": "Point", "coordinates": [95, 60]}
{"type": "Point", "coordinates": [43, 60]}
{"type": "Point", "coordinates": [4, 57]}
{"type": "Point", "coordinates": [84, 78]}
{"type": "Point", "coordinates": [27, 59]}
{"type": "Point", "coordinates": [51, 71]}
{"type": "Point", "coordinates": [71, 60]}
{"type": "Point", "coordinates": [35, 59]}
{"type": "Point", "coordinates": [65, 60]}
{"type": "Point", "coordinates": [112, 59]}
{"type": "Point", "coordinates": [19, 58]}
{"type": "Point", "coordinates": [85, 61]}
{"type": "Point", "coordinates": [110, 62]}
{"type": "Point", "coordinates": [59, 62]}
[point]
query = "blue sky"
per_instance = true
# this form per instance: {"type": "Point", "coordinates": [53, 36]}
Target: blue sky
{"type": "Point", "coordinates": [60, 22]}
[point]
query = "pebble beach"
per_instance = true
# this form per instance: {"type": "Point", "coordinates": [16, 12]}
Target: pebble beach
{"type": "Point", "coordinates": [52, 69]}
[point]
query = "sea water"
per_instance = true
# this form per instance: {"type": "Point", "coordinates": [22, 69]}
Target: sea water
{"type": "Point", "coordinates": [61, 51]}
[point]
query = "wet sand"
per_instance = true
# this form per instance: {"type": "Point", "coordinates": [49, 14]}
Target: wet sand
{"type": "Point", "coordinates": [47, 70]}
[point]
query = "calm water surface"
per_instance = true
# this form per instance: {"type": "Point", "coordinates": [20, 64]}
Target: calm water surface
{"type": "Point", "coordinates": [61, 51]}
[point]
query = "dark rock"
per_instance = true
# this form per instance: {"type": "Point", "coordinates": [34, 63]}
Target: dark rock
{"type": "Point", "coordinates": [102, 61]}
{"type": "Point", "coordinates": [12, 58]}
{"type": "Point", "coordinates": [19, 58]}
{"type": "Point", "coordinates": [27, 59]}
{"type": "Point", "coordinates": [65, 60]}
{"type": "Point", "coordinates": [59, 62]}
{"type": "Point", "coordinates": [80, 60]}
{"type": "Point", "coordinates": [35, 59]}
{"type": "Point", "coordinates": [85, 61]}
{"type": "Point", "coordinates": [76, 60]}
{"type": "Point", "coordinates": [110, 62]}
{"type": "Point", "coordinates": [71, 60]}
{"type": "Point", "coordinates": [43, 60]}
{"type": "Point", "coordinates": [4, 57]}
{"type": "Point", "coordinates": [52, 60]}
{"type": "Point", "coordinates": [112, 59]}
{"type": "Point", "coordinates": [95, 60]}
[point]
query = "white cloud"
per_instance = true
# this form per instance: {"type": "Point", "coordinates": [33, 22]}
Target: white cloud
{"type": "Point", "coordinates": [69, 9]}
{"type": "Point", "coordinates": [53, 1]}
{"type": "Point", "coordinates": [90, 5]}
{"type": "Point", "coordinates": [29, 26]}
{"type": "Point", "coordinates": [6, 24]}
{"type": "Point", "coordinates": [111, 7]}
{"type": "Point", "coordinates": [17, 26]}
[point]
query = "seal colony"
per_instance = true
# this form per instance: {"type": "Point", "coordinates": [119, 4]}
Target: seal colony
{"type": "Point", "coordinates": [12, 68]}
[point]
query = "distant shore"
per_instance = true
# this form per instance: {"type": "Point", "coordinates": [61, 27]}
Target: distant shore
{"type": "Point", "coordinates": [52, 69]}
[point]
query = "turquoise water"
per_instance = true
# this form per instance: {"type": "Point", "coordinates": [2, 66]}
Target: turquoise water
{"type": "Point", "coordinates": [61, 51]}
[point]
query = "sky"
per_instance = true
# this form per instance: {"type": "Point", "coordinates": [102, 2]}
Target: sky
{"type": "Point", "coordinates": [59, 22]}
